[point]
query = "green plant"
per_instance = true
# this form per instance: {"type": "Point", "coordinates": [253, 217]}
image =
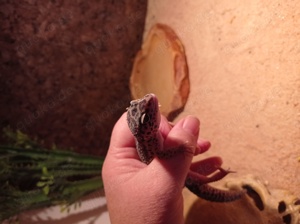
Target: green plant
{"type": "Point", "coordinates": [34, 177]}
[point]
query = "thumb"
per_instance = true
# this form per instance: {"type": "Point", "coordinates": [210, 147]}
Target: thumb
{"type": "Point", "coordinates": [182, 140]}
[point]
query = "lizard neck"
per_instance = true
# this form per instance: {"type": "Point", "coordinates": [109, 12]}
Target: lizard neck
{"type": "Point", "coordinates": [147, 148]}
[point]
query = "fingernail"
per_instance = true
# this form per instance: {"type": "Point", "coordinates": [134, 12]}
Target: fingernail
{"type": "Point", "coordinates": [191, 125]}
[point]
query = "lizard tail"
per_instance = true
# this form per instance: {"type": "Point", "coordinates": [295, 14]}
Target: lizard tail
{"type": "Point", "coordinates": [213, 194]}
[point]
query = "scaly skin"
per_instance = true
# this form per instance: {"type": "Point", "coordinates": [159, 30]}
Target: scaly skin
{"type": "Point", "coordinates": [143, 118]}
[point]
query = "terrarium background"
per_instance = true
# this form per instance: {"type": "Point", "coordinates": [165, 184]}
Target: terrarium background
{"type": "Point", "coordinates": [65, 66]}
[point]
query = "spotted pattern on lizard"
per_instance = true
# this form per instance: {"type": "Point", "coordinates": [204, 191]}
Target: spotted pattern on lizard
{"type": "Point", "coordinates": [143, 118]}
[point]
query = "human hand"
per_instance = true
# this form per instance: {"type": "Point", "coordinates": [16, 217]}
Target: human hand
{"type": "Point", "coordinates": [150, 194]}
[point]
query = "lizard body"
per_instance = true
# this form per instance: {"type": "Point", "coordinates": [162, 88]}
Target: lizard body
{"type": "Point", "coordinates": [143, 118]}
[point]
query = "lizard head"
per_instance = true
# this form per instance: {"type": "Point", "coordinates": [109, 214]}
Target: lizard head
{"type": "Point", "coordinates": [143, 116]}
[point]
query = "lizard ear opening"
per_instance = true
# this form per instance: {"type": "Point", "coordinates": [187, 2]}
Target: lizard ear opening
{"type": "Point", "coordinates": [144, 118]}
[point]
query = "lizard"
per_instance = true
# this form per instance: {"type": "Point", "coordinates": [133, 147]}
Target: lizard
{"type": "Point", "coordinates": [143, 119]}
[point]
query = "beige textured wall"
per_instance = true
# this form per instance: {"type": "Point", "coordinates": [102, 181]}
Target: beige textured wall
{"type": "Point", "coordinates": [244, 63]}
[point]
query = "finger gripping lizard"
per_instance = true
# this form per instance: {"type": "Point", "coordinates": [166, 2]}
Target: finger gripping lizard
{"type": "Point", "coordinates": [143, 118]}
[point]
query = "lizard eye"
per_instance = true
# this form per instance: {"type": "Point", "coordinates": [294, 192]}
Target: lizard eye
{"type": "Point", "coordinates": [144, 118]}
